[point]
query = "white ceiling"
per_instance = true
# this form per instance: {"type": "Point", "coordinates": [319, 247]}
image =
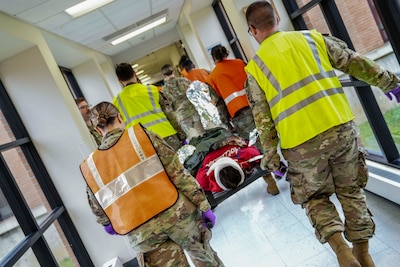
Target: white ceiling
{"type": "Point", "coordinates": [90, 29]}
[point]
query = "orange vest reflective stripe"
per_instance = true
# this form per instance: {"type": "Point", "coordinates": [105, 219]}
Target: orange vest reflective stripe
{"type": "Point", "coordinates": [234, 100]}
{"type": "Point", "coordinates": [129, 181]}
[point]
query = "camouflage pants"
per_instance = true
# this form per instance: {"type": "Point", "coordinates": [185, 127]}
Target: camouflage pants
{"type": "Point", "coordinates": [167, 249]}
{"type": "Point", "coordinates": [244, 124]}
{"type": "Point", "coordinates": [332, 163]}
{"type": "Point", "coordinates": [173, 141]}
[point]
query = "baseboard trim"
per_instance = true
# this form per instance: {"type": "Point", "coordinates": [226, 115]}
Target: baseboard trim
{"type": "Point", "coordinates": [384, 181]}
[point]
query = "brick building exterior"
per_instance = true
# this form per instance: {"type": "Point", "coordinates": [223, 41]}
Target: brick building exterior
{"type": "Point", "coordinates": [359, 19]}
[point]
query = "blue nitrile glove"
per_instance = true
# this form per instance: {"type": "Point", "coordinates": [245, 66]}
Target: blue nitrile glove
{"type": "Point", "coordinates": [109, 229]}
{"type": "Point", "coordinates": [394, 92]}
{"type": "Point", "coordinates": [208, 219]}
{"type": "Point", "coordinates": [281, 171]}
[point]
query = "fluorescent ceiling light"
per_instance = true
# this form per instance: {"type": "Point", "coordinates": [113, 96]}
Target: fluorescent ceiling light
{"type": "Point", "coordinates": [139, 72]}
{"type": "Point", "coordinates": [139, 31]}
{"type": "Point", "coordinates": [145, 79]}
{"type": "Point", "coordinates": [85, 7]}
{"type": "Point", "coordinates": [134, 66]}
{"type": "Point", "coordinates": [143, 76]}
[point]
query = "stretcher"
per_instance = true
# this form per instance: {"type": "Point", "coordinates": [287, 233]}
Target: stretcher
{"type": "Point", "coordinates": [216, 198]}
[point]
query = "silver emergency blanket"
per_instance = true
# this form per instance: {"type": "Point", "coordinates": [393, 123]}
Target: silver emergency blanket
{"type": "Point", "coordinates": [253, 137]}
{"type": "Point", "coordinates": [199, 95]}
{"type": "Point", "coordinates": [185, 152]}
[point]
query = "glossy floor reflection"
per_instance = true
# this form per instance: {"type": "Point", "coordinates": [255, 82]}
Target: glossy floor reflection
{"type": "Point", "coordinates": [255, 229]}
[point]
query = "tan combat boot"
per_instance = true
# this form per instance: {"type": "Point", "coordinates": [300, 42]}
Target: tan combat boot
{"type": "Point", "coordinates": [360, 250]}
{"type": "Point", "coordinates": [272, 188]}
{"type": "Point", "coordinates": [343, 252]}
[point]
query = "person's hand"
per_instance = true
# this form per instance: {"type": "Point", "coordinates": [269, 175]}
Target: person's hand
{"type": "Point", "coordinates": [208, 219]}
{"type": "Point", "coordinates": [281, 171]}
{"type": "Point", "coordinates": [109, 229]}
{"type": "Point", "coordinates": [394, 93]}
{"type": "Point", "coordinates": [270, 163]}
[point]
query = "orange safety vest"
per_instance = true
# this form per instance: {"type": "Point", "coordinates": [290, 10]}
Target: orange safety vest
{"type": "Point", "coordinates": [129, 181]}
{"type": "Point", "coordinates": [228, 79]}
{"type": "Point", "coordinates": [197, 75]}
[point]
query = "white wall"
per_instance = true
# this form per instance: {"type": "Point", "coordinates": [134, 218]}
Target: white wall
{"type": "Point", "coordinates": [109, 75]}
{"type": "Point", "coordinates": [210, 33]}
{"type": "Point", "coordinates": [92, 83]}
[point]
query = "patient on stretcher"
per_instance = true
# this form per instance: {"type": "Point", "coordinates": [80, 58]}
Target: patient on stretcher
{"type": "Point", "coordinates": [202, 159]}
{"type": "Point", "coordinates": [226, 167]}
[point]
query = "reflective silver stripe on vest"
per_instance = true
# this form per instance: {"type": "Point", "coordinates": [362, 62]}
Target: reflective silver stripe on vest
{"type": "Point", "coordinates": [306, 102]}
{"type": "Point", "coordinates": [271, 78]}
{"type": "Point", "coordinates": [154, 122]}
{"type": "Point", "coordinates": [136, 145]}
{"type": "Point", "coordinates": [232, 96]}
{"type": "Point", "coordinates": [154, 110]}
{"type": "Point", "coordinates": [292, 88]}
{"type": "Point", "coordinates": [131, 178]}
{"type": "Point", "coordinates": [94, 171]}
{"type": "Point", "coordinates": [122, 107]}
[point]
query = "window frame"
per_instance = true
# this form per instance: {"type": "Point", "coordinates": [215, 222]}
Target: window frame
{"type": "Point", "coordinates": [34, 233]}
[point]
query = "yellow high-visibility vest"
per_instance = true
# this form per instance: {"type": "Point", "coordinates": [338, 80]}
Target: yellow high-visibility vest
{"type": "Point", "coordinates": [303, 92]}
{"type": "Point", "coordinates": [139, 103]}
{"type": "Point", "coordinates": [129, 181]}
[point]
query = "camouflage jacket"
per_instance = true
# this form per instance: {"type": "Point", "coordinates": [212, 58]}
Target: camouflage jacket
{"type": "Point", "coordinates": [175, 104]}
{"type": "Point", "coordinates": [342, 58]}
{"type": "Point", "coordinates": [191, 196]}
{"type": "Point", "coordinates": [174, 90]}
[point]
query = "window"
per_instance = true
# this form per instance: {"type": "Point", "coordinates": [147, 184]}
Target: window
{"type": "Point", "coordinates": [35, 229]}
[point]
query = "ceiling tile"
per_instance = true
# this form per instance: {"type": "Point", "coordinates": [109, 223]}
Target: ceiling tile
{"type": "Point", "coordinates": [90, 28]}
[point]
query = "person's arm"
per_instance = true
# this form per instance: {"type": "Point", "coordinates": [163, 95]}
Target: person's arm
{"type": "Point", "coordinates": [170, 114]}
{"type": "Point", "coordinates": [264, 123]}
{"type": "Point", "coordinates": [358, 65]}
{"type": "Point", "coordinates": [184, 182]}
{"type": "Point", "coordinates": [210, 82]}
{"type": "Point", "coordinates": [101, 216]}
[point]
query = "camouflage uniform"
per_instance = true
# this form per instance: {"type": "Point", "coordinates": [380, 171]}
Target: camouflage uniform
{"type": "Point", "coordinates": [96, 136]}
{"type": "Point", "coordinates": [244, 125]}
{"type": "Point", "coordinates": [331, 162]}
{"type": "Point", "coordinates": [181, 113]}
{"type": "Point", "coordinates": [161, 240]}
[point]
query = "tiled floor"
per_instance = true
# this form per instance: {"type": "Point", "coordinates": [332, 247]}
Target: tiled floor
{"type": "Point", "coordinates": [255, 229]}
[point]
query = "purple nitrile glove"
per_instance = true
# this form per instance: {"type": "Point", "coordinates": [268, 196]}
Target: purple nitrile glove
{"type": "Point", "coordinates": [109, 229]}
{"type": "Point", "coordinates": [208, 219]}
{"type": "Point", "coordinates": [394, 92]}
{"type": "Point", "coordinates": [281, 171]}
